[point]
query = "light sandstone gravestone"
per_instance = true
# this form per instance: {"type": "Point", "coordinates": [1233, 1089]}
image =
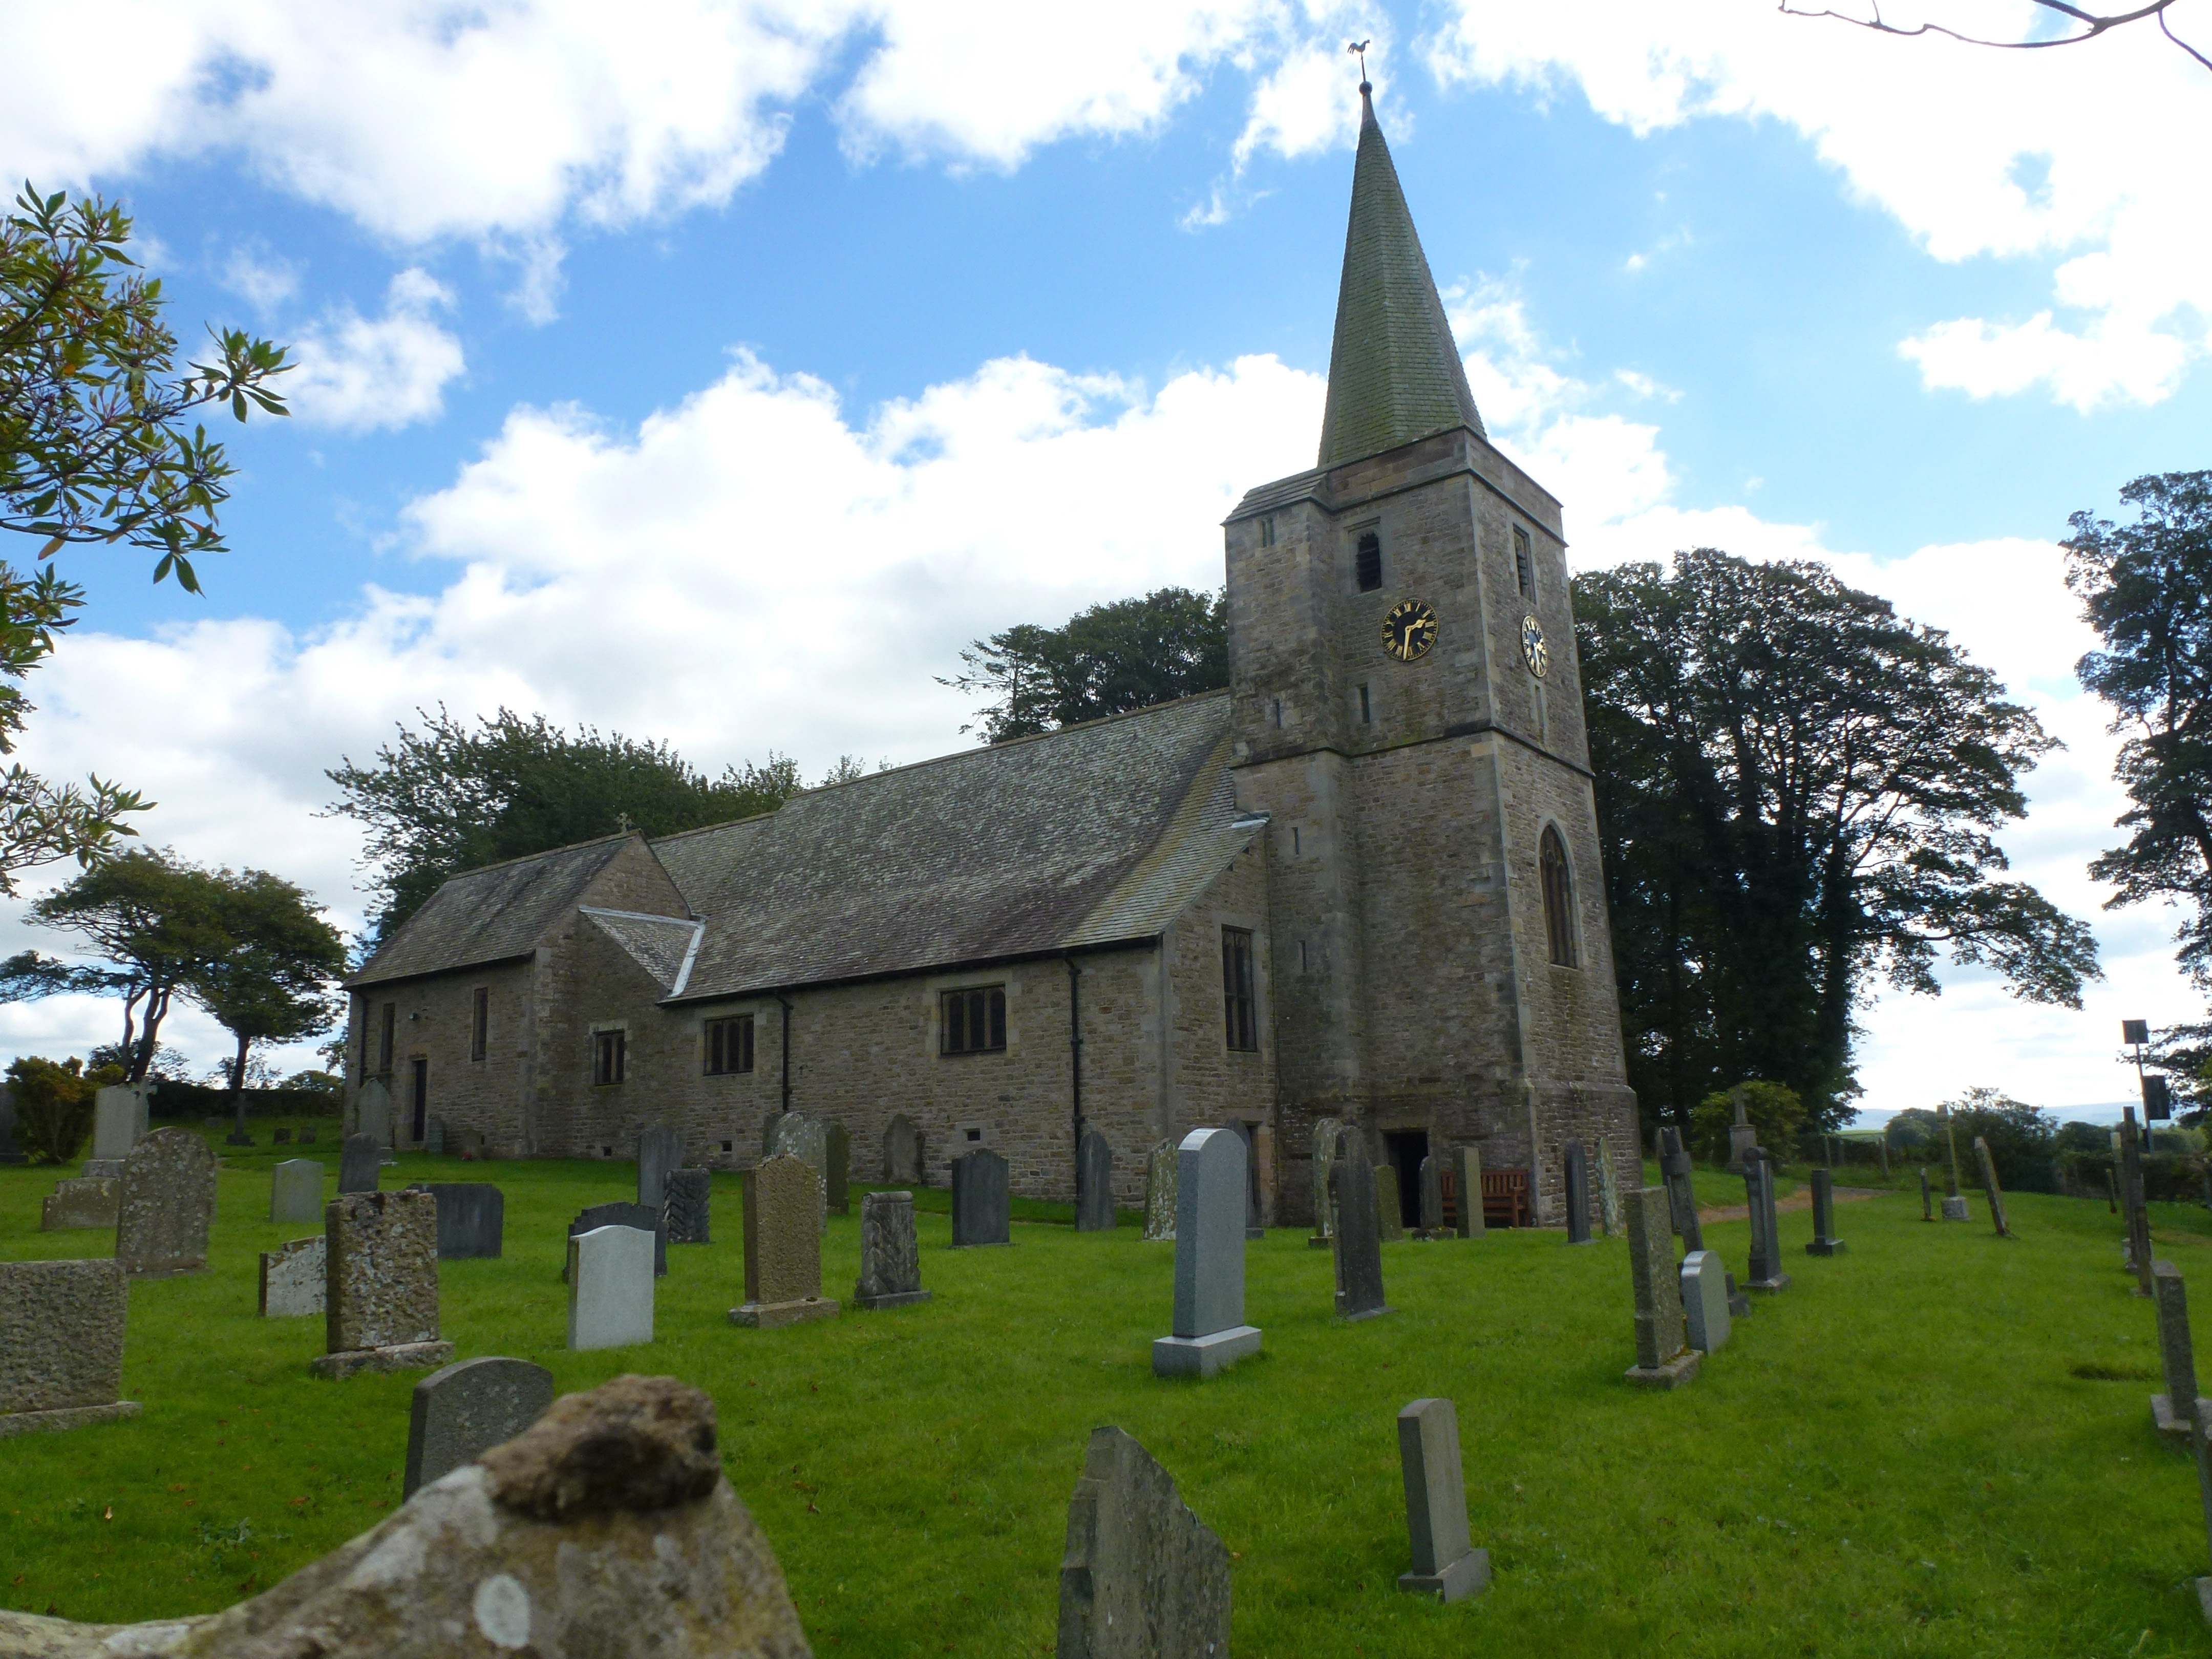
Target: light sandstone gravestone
{"type": "Point", "coordinates": [380, 1296]}
{"type": "Point", "coordinates": [1358, 1253]}
{"type": "Point", "coordinates": [167, 1204]}
{"type": "Point", "coordinates": [609, 1288]}
{"type": "Point", "coordinates": [1576, 1179]}
{"type": "Point", "coordinates": [1766, 1271]}
{"type": "Point", "coordinates": [890, 1258]}
{"type": "Point", "coordinates": [76, 1202]}
{"type": "Point", "coordinates": [837, 1168]}
{"type": "Point", "coordinates": [295, 1190]}
{"type": "Point", "coordinates": [1467, 1193]}
{"type": "Point", "coordinates": [1608, 1194]}
{"type": "Point", "coordinates": [1390, 1205]}
{"type": "Point", "coordinates": [1094, 1185]}
{"type": "Point", "coordinates": [61, 1347]}
{"type": "Point", "coordinates": [980, 1210]}
{"type": "Point", "coordinates": [1326, 1133]}
{"type": "Point", "coordinates": [901, 1151]}
{"type": "Point", "coordinates": [659, 1149]}
{"type": "Point", "coordinates": [626, 1215]}
{"type": "Point", "coordinates": [783, 1247]}
{"type": "Point", "coordinates": [119, 1119]}
{"type": "Point", "coordinates": [1432, 1198]}
{"type": "Point", "coordinates": [1955, 1201]}
{"type": "Point", "coordinates": [1991, 1188]}
{"type": "Point", "coordinates": [1825, 1241]}
{"type": "Point", "coordinates": [1211, 1193]}
{"type": "Point", "coordinates": [1143, 1577]}
{"type": "Point", "coordinates": [461, 1411]}
{"type": "Point", "coordinates": [1446, 1564]}
{"type": "Point", "coordinates": [357, 1166]}
{"type": "Point", "coordinates": [295, 1280]}
{"type": "Point", "coordinates": [372, 1115]}
{"type": "Point", "coordinates": [471, 1218]}
{"type": "Point", "coordinates": [2178, 1353]}
{"type": "Point", "coordinates": [1676, 1169]}
{"type": "Point", "coordinates": [1160, 1193]}
{"type": "Point", "coordinates": [687, 1213]}
{"type": "Point", "coordinates": [1662, 1359]}
{"type": "Point", "coordinates": [1705, 1300]}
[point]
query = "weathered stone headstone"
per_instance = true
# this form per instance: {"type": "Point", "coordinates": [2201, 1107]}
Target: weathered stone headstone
{"type": "Point", "coordinates": [1609, 1217]}
{"type": "Point", "coordinates": [372, 1115]}
{"type": "Point", "coordinates": [119, 1119]}
{"type": "Point", "coordinates": [2132, 1201]}
{"type": "Point", "coordinates": [1094, 1184]}
{"type": "Point", "coordinates": [1446, 1564]}
{"type": "Point", "coordinates": [1990, 1188]}
{"type": "Point", "coordinates": [295, 1280]}
{"type": "Point", "coordinates": [101, 1169]}
{"type": "Point", "coordinates": [357, 1166]}
{"type": "Point", "coordinates": [783, 1246]}
{"type": "Point", "coordinates": [2179, 1355]}
{"type": "Point", "coordinates": [1390, 1205]}
{"type": "Point", "coordinates": [1160, 1193]}
{"type": "Point", "coordinates": [1577, 1181]}
{"type": "Point", "coordinates": [1676, 1169]}
{"type": "Point", "coordinates": [609, 1288]}
{"type": "Point", "coordinates": [2112, 1192]}
{"type": "Point", "coordinates": [1955, 1201]}
{"type": "Point", "coordinates": [660, 1149]}
{"type": "Point", "coordinates": [902, 1150]}
{"type": "Point", "coordinates": [1432, 1198]}
{"type": "Point", "coordinates": [1325, 1134]}
{"type": "Point", "coordinates": [688, 1211]}
{"type": "Point", "coordinates": [1143, 1577]}
{"type": "Point", "coordinates": [1742, 1135]}
{"type": "Point", "coordinates": [2201, 1444]}
{"type": "Point", "coordinates": [433, 1137]}
{"type": "Point", "coordinates": [1705, 1300]}
{"type": "Point", "coordinates": [1358, 1240]}
{"type": "Point", "coordinates": [11, 1151]}
{"type": "Point", "coordinates": [770, 1128]}
{"type": "Point", "coordinates": [890, 1257]}
{"type": "Point", "coordinates": [1210, 1195]}
{"type": "Point", "coordinates": [1927, 1198]}
{"type": "Point", "coordinates": [1766, 1271]}
{"type": "Point", "coordinates": [280, 1137]}
{"type": "Point", "coordinates": [167, 1204]}
{"type": "Point", "coordinates": [61, 1345]}
{"type": "Point", "coordinates": [1825, 1241]}
{"type": "Point", "coordinates": [380, 1298]}
{"type": "Point", "coordinates": [306, 1137]}
{"type": "Point", "coordinates": [462, 1411]}
{"type": "Point", "coordinates": [471, 1218]}
{"type": "Point", "coordinates": [295, 1190]}
{"type": "Point", "coordinates": [797, 1135]}
{"type": "Point", "coordinates": [1467, 1193]}
{"type": "Point", "coordinates": [76, 1202]}
{"type": "Point", "coordinates": [627, 1215]}
{"type": "Point", "coordinates": [980, 1207]}
{"type": "Point", "coordinates": [837, 1168]}
{"type": "Point", "coordinates": [1663, 1361]}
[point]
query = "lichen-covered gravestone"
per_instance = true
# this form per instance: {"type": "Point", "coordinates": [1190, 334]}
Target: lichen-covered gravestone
{"type": "Point", "coordinates": [659, 1149]}
{"type": "Point", "coordinates": [1160, 1193]}
{"type": "Point", "coordinates": [902, 1150]}
{"type": "Point", "coordinates": [627, 1215]}
{"type": "Point", "coordinates": [357, 1166]}
{"type": "Point", "coordinates": [783, 1247]}
{"type": "Point", "coordinates": [1705, 1300]}
{"type": "Point", "coordinates": [380, 1296]}
{"type": "Point", "coordinates": [295, 1190]}
{"type": "Point", "coordinates": [1210, 1331]}
{"type": "Point", "coordinates": [1467, 1193]}
{"type": "Point", "coordinates": [167, 1204]}
{"type": "Point", "coordinates": [77, 1202]}
{"type": "Point", "coordinates": [1446, 1564]}
{"type": "Point", "coordinates": [461, 1411]}
{"type": "Point", "coordinates": [1359, 1235]}
{"type": "Point", "coordinates": [1326, 1132]}
{"type": "Point", "coordinates": [1390, 1205]}
{"type": "Point", "coordinates": [688, 1211]}
{"type": "Point", "coordinates": [609, 1288]}
{"type": "Point", "coordinates": [806, 1138]}
{"type": "Point", "coordinates": [1094, 1184]}
{"type": "Point", "coordinates": [890, 1259]}
{"type": "Point", "coordinates": [61, 1345]}
{"type": "Point", "coordinates": [295, 1280]}
{"type": "Point", "coordinates": [980, 1207]}
{"type": "Point", "coordinates": [1433, 1197]}
{"type": "Point", "coordinates": [1608, 1194]}
{"type": "Point", "coordinates": [1663, 1361]}
{"type": "Point", "coordinates": [1143, 1577]}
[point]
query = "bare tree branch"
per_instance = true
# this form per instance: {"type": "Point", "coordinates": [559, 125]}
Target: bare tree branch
{"type": "Point", "coordinates": [2093, 25]}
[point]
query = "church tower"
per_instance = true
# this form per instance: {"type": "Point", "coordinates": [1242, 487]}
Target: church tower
{"type": "Point", "coordinates": [1408, 712]}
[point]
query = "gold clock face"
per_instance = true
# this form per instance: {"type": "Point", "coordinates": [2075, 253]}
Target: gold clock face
{"type": "Point", "coordinates": [1534, 650]}
{"type": "Point", "coordinates": [1409, 631]}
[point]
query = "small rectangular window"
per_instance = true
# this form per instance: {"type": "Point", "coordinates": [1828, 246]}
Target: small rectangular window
{"type": "Point", "coordinates": [610, 1055]}
{"type": "Point", "coordinates": [384, 1038]}
{"type": "Point", "coordinates": [1367, 709]}
{"type": "Point", "coordinates": [1524, 561]}
{"type": "Point", "coordinates": [1368, 566]}
{"type": "Point", "coordinates": [729, 1045]}
{"type": "Point", "coordinates": [479, 1022]}
{"type": "Point", "coordinates": [1267, 532]}
{"type": "Point", "coordinates": [1239, 1004]}
{"type": "Point", "coordinates": [974, 1020]}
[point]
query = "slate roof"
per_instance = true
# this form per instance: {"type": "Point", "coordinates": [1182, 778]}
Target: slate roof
{"type": "Point", "coordinates": [663, 945]}
{"type": "Point", "coordinates": [1394, 373]}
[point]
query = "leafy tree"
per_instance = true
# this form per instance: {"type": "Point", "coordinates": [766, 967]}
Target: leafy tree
{"type": "Point", "coordinates": [1109, 659]}
{"type": "Point", "coordinates": [2023, 1140]}
{"type": "Point", "coordinates": [1797, 794]}
{"type": "Point", "coordinates": [53, 1105]}
{"type": "Point", "coordinates": [452, 796]}
{"type": "Point", "coordinates": [1773, 1109]}
{"type": "Point", "coordinates": [273, 982]}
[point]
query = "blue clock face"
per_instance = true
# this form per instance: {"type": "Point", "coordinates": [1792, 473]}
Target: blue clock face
{"type": "Point", "coordinates": [1534, 650]}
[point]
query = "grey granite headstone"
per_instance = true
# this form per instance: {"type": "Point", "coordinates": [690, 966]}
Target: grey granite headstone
{"type": "Point", "coordinates": [1094, 1185]}
{"type": "Point", "coordinates": [380, 1296]}
{"type": "Point", "coordinates": [471, 1218]}
{"type": "Point", "coordinates": [688, 1209]}
{"type": "Point", "coordinates": [10, 1152]}
{"type": "Point", "coordinates": [1467, 1193]}
{"type": "Point", "coordinates": [167, 1204]}
{"type": "Point", "coordinates": [1142, 1577]}
{"type": "Point", "coordinates": [1390, 1205]}
{"type": "Point", "coordinates": [610, 1273]}
{"type": "Point", "coordinates": [462, 1411]}
{"type": "Point", "coordinates": [902, 1150]}
{"type": "Point", "coordinates": [1742, 1135]}
{"type": "Point", "coordinates": [1764, 1273]}
{"type": "Point", "coordinates": [295, 1190]}
{"type": "Point", "coordinates": [1212, 1191]}
{"type": "Point", "coordinates": [357, 1166]}
{"type": "Point", "coordinates": [372, 1115]}
{"type": "Point", "coordinates": [1705, 1299]}
{"type": "Point", "coordinates": [659, 1149]}
{"type": "Point", "coordinates": [1446, 1564]}
{"type": "Point", "coordinates": [783, 1247]}
{"type": "Point", "coordinates": [61, 1345]}
{"type": "Point", "coordinates": [1160, 1193]}
{"type": "Point", "coordinates": [1577, 1181]}
{"type": "Point", "coordinates": [2178, 1353]}
{"type": "Point", "coordinates": [295, 1280]}
{"type": "Point", "coordinates": [1325, 1134]}
{"type": "Point", "coordinates": [628, 1215]}
{"type": "Point", "coordinates": [1991, 1188]}
{"type": "Point", "coordinates": [1676, 1169]}
{"type": "Point", "coordinates": [1432, 1198]}
{"type": "Point", "coordinates": [1662, 1359]}
{"type": "Point", "coordinates": [837, 1167]}
{"type": "Point", "coordinates": [1825, 1241]}
{"type": "Point", "coordinates": [119, 1119]}
{"type": "Point", "coordinates": [890, 1259]}
{"type": "Point", "coordinates": [1359, 1235]}
{"type": "Point", "coordinates": [80, 1203]}
{"type": "Point", "coordinates": [979, 1206]}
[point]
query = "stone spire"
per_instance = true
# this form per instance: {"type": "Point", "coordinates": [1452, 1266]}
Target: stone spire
{"type": "Point", "coordinates": [1393, 372]}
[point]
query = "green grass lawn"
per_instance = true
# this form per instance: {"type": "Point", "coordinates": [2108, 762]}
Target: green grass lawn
{"type": "Point", "coordinates": [1899, 1454]}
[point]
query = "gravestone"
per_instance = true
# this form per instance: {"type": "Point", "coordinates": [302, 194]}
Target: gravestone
{"type": "Point", "coordinates": [1466, 1189]}
{"type": "Point", "coordinates": [626, 1215]}
{"type": "Point", "coordinates": [1325, 1134]}
{"type": "Point", "coordinates": [1160, 1193]}
{"type": "Point", "coordinates": [1676, 1170]}
{"type": "Point", "coordinates": [2133, 1207]}
{"type": "Point", "coordinates": [119, 1119]}
{"type": "Point", "coordinates": [1142, 1577]}
{"type": "Point", "coordinates": [1390, 1205]}
{"type": "Point", "coordinates": [101, 1169]}
{"type": "Point", "coordinates": [471, 1218]}
{"type": "Point", "coordinates": [1990, 1190]}
{"type": "Point", "coordinates": [1211, 1192]}
{"type": "Point", "coordinates": [1094, 1184]}
{"type": "Point", "coordinates": [902, 1151]}
{"type": "Point", "coordinates": [61, 1345]}
{"type": "Point", "coordinates": [783, 1246]}
{"type": "Point", "coordinates": [357, 1166]}
{"type": "Point", "coordinates": [1927, 1200]}
{"type": "Point", "coordinates": [837, 1168]}
{"type": "Point", "coordinates": [1663, 1361]}
{"type": "Point", "coordinates": [467, 1145]}
{"type": "Point", "coordinates": [2201, 1445]}
{"type": "Point", "coordinates": [1608, 1194]}
{"type": "Point", "coordinates": [978, 1200]}
{"type": "Point", "coordinates": [380, 1296]}
{"type": "Point", "coordinates": [2112, 1192]}
{"type": "Point", "coordinates": [687, 1213]}
{"type": "Point", "coordinates": [306, 1137]}
{"type": "Point", "coordinates": [295, 1280]}
{"type": "Point", "coordinates": [1742, 1136]}
{"type": "Point", "coordinates": [797, 1135]}
{"type": "Point", "coordinates": [76, 1202]}
{"type": "Point", "coordinates": [890, 1258]}
{"type": "Point", "coordinates": [1446, 1564]}
{"type": "Point", "coordinates": [1358, 1232]}
{"type": "Point", "coordinates": [280, 1137]}
{"type": "Point", "coordinates": [295, 1190]}
{"type": "Point", "coordinates": [1577, 1181]}
{"type": "Point", "coordinates": [1825, 1241]}
{"type": "Point", "coordinates": [11, 1151]}
{"type": "Point", "coordinates": [433, 1137]}
{"type": "Point", "coordinates": [167, 1204]}
{"type": "Point", "coordinates": [1766, 1271]}
{"type": "Point", "coordinates": [609, 1288]}
{"type": "Point", "coordinates": [460, 1411]}
{"type": "Point", "coordinates": [659, 1149]}
{"type": "Point", "coordinates": [372, 1115]}
{"type": "Point", "coordinates": [1954, 1202]}
{"type": "Point", "coordinates": [1705, 1300]}
{"type": "Point", "coordinates": [2179, 1355]}
{"type": "Point", "coordinates": [1432, 1198]}
{"type": "Point", "coordinates": [769, 1128]}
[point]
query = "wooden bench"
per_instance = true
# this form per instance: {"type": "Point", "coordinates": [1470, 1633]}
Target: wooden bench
{"type": "Point", "coordinates": [1504, 1198]}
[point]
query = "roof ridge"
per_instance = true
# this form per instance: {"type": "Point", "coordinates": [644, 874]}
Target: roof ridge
{"type": "Point", "coordinates": [525, 857]}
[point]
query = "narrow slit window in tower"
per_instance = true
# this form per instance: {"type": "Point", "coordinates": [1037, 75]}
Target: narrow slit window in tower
{"type": "Point", "coordinates": [1367, 709]}
{"type": "Point", "coordinates": [1524, 561]}
{"type": "Point", "coordinates": [1559, 897]}
{"type": "Point", "coordinates": [1368, 567]}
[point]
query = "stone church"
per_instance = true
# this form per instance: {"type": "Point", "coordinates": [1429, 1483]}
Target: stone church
{"type": "Point", "coordinates": [1361, 883]}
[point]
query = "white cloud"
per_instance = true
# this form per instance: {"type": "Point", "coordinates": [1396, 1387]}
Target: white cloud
{"type": "Point", "coordinates": [2091, 156]}
{"type": "Point", "coordinates": [359, 373]}
{"type": "Point", "coordinates": [263, 280]}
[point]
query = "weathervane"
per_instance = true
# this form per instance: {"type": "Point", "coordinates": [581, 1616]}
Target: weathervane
{"type": "Point", "coordinates": [1359, 49]}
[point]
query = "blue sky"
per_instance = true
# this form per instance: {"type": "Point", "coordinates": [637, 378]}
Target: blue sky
{"type": "Point", "coordinates": [713, 372]}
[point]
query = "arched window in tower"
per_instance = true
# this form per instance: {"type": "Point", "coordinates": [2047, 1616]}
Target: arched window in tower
{"type": "Point", "coordinates": [1559, 897]}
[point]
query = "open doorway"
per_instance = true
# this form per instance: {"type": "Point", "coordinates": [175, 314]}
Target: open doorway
{"type": "Point", "coordinates": [1406, 1148]}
